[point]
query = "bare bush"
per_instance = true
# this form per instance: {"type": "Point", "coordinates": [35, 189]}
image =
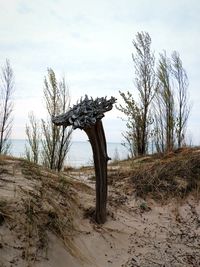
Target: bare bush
{"type": "Point", "coordinates": [33, 134]}
{"type": "Point", "coordinates": [6, 106]}
{"type": "Point", "coordinates": [56, 139]}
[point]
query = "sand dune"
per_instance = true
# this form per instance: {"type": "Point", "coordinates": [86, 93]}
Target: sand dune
{"type": "Point", "coordinates": [45, 221]}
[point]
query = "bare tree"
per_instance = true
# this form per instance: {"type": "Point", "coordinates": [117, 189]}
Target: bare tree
{"type": "Point", "coordinates": [183, 107]}
{"type": "Point", "coordinates": [159, 129]}
{"type": "Point", "coordinates": [171, 108]}
{"type": "Point", "coordinates": [33, 134]}
{"type": "Point", "coordinates": [165, 103]}
{"type": "Point", "coordinates": [56, 139]}
{"type": "Point", "coordinates": [6, 106]}
{"type": "Point", "coordinates": [132, 135]}
{"type": "Point", "coordinates": [139, 120]}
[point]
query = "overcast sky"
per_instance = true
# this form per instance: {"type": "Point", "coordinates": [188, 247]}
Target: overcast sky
{"type": "Point", "coordinates": [90, 42]}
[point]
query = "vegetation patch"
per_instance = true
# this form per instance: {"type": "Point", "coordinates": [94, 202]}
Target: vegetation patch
{"type": "Point", "coordinates": [174, 175]}
{"type": "Point", "coordinates": [45, 202]}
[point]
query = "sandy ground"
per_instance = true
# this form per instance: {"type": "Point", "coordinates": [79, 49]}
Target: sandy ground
{"type": "Point", "coordinates": [137, 233]}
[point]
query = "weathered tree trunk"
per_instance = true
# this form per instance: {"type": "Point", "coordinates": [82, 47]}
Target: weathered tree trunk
{"type": "Point", "coordinates": [97, 139]}
{"type": "Point", "coordinates": [87, 116]}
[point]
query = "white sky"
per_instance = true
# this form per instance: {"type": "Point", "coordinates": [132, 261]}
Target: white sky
{"type": "Point", "coordinates": [90, 42]}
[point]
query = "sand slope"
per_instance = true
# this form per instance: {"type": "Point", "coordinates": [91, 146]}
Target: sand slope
{"type": "Point", "coordinates": [45, 221]}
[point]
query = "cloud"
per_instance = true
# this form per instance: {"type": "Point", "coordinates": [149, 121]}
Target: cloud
{"type": "Point", "coordinates": [23, 9]}
{"type": "Point", "coordinates": [90, 42]}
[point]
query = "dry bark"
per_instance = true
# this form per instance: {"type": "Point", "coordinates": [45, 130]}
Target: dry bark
{"type": "Point", "coordinates": [87, 116]}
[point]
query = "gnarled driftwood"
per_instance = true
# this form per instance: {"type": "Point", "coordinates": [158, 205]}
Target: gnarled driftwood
{"type": "Point", "coordinates": [87, 115]}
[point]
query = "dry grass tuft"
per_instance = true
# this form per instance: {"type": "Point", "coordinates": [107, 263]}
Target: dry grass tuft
{"type": "Point", "coordinates": [173, 175]}
{"type": "Point", "coordinates": [45, 202]}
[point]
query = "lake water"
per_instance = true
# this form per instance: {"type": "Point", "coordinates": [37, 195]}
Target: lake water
{"type": "Point", "coordinates": [80, 153]}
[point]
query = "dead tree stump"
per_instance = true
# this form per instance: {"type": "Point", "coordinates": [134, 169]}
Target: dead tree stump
{"type": "Point", "coordinates": [86, 115]}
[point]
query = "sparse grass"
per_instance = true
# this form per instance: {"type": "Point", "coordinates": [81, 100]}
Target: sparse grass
{"type": "Point", "coordinates": [49, 211]}
{"type": "Point", "coordinates": [3, 205]}
{"type": "Point", "coordinates": [47, 202]}
{"type": "Point", "coordinates": [3, 171]}
{"type": "Point", "coordinates": [92, 178]}
{"type": "Point", "coordinates": [90, 213]}
{"type": "Point", "coordinates": [68, 168]}
{"type": "Point", "coordinates": [43, 216]}
{"type": "Point", "coordinates": [30, 170]}
{"type": "Point", "coordinates": [173, 175]}
{"type": "Point", "coordinates": [144, 207]}
{"type": "Point", "coordinates": [5, 211]}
